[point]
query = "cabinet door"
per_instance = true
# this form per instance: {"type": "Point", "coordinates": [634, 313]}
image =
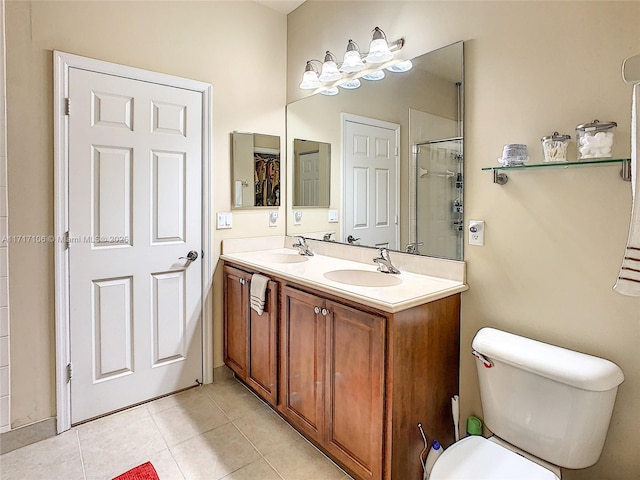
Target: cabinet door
{"type": "Point", "coordinates": [355, 389]}
{"type": "Point", "coordinates": [302, 362]}
{"type": "Point", "coordinates": [236, 314]}
{"type": "Point", "coordinates": [262, 364]}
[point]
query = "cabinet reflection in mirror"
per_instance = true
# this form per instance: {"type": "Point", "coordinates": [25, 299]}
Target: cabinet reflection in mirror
{"type": "Point", "coordinates": [397, 161]}
{"type": "Point", "coordinates": [311, 173]}
{"type": "Point", "coordinates": [256, 170]}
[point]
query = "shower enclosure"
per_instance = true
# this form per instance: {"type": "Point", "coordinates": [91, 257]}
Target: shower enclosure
{"type": "Point", "coordinates": [439, 198]}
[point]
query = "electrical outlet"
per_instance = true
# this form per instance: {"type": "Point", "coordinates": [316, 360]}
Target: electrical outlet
{"type": "Point", "coordinates": [476, 232]}
{"type": "Point", "coordinates": [273, 219]}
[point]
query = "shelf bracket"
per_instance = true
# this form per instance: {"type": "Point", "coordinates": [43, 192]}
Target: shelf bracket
{"type": "Point", "coordinates": [499, 177]}
{"type": "Point", "coordinates": [625, 172]}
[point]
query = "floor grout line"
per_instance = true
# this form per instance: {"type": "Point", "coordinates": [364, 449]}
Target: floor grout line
{"type": "Point", "coordinates": [84, 470]}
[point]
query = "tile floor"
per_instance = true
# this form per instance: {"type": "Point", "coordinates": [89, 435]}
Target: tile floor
{"type": "Point", "coordinates": [217, 431]}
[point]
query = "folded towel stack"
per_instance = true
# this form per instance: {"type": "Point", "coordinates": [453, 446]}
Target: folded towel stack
{"type": "Point", "coordinates": [258, 292]}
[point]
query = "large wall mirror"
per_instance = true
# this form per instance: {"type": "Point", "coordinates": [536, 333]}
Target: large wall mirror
{"type": "Point", "coordinates": [396, 166]}
{"type": "Point", "coordinates": [255, 168]}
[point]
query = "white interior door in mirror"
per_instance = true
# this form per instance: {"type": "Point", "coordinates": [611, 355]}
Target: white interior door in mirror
{"type": "Point", "coordinates": [370, 182]}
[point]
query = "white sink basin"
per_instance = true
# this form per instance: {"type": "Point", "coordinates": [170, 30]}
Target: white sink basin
{"type": "Point", "coordinates": [363, 278]}
{"type": "Point", "coordinates": [284, 258]}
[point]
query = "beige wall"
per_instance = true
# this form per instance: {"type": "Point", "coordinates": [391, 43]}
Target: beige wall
{"type": "Point", "coordinates": [239, 47]}
{"type": "Point", "coordinates": [554, 239]}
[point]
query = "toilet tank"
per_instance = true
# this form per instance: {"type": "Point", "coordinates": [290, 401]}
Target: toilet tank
{"type": "Point", "coordinates": [549, 401]}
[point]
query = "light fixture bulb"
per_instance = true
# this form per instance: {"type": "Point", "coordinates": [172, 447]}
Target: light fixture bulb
{"type": "Point", "coordinates": [351, 84]}
{"type": "Point", "coordinates": [377, 75]}
{"type": "Point", "coordinates": [330, 91]}
{"type": "Point", "coordinates": [310, 78]}
{"type": "Point", "coordinates": [401, 67]}
{"type": "Point", "coordinates": [379, 48]}
{"type": "Point", "coordinates": [352, 60]}
{"type": "Point", "coordinates": [330, 72]}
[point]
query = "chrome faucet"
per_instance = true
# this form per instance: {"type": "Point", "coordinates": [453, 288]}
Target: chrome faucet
{"type": "Point", "coordinates": [327, 237]}
{"type": "Point", "coordinates": [413, 248]}
{"type": "Point", "coordinates": [384, 262]}
{"type": "Point", "coordinates": [303, 248]}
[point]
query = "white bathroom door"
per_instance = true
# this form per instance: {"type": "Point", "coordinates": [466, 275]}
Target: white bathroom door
{"type": "Point", "coordinates": [135, 203]}
{"type": "Point", "coordinates": [308, 179]}
{"type": "Point", "coordinates": [371, 182]}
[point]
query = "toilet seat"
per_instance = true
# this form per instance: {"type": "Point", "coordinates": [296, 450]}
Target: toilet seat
{"type": "Point", "coordinates": [477, 458]}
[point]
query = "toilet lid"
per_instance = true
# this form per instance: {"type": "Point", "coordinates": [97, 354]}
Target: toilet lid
{"type": "Point", "coordinates": [477, 458]}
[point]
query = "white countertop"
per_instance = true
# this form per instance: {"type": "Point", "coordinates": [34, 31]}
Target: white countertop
{"type": "Point", "coordinates": [415, 289]}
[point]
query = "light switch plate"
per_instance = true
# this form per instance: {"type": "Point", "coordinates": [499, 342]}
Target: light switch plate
{"type": "Point", "coordinates": [333, 216]}
{"type": "Point", "coordinates": [297, 217]}
{"type": "Point", "coordinates": [224, 220]}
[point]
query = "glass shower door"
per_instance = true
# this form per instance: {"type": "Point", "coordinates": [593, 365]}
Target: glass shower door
{"type": "Point", "coordinates": [439, 198]}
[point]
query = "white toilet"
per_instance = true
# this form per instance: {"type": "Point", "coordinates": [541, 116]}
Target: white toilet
{"type": "Point", "coordinates": [547, 406]}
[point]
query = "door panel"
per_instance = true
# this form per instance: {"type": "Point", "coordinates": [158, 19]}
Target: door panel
{"type": "Point", "coordinates": [263, 329]}
{"type": "Point", "coordinates": [112, 196]}
{"type": "Point", "coordinates": [355, 404]}
{"type": "Point", "coordinates": [236, 305]}
{"type": "Point", "coordinates": [135, 207]}
{"type": "Point", "coordinates": [302, 361]}
{"type": "Point", "coordinates": [169, 320]}
{"type": "Point", "coordinates": [382, 213]}
{"type": "Point", "coordinates": [168, 196]}
{"type": "Point", "coordinates": [113, 327]}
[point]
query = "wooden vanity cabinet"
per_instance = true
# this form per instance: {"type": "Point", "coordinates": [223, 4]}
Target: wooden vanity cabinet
{"type": "Point", "coordinates": [353, 379]}
{"type": "Point", "coordinates": [332, 378]}
{"type": "Point", "coordinates": [250, 339]}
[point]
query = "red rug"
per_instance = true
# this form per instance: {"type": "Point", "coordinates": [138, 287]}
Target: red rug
{"type": "Point", "coordinates": [141, 472]}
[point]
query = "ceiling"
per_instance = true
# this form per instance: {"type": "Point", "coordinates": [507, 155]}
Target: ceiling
{"type": "Point", "coordinates": [282, 6]}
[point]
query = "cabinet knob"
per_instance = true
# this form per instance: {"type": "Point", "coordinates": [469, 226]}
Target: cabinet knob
{"type": "Point", "coordinates": [242, 281]}
{"type": "Point", "coordinates": [325, 312]}
{"type": "Point", "coordinates": [316, 310]}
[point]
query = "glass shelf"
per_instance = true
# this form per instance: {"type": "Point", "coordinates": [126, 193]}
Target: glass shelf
{"type": "Point", "coordinates": [501, 178]}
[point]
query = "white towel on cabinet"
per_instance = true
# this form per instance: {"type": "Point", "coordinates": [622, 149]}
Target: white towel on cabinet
{"type": "Point", "coordinates": [629, 278]}
{"type": "Point", "coordinates": [257, 293]}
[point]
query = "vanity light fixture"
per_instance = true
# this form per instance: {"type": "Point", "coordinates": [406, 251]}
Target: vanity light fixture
{"type": "Point", "coordinates": [401, 67]}
{"type": "Point", "coordinates": [375, 75]}
{"type": "Point", "coordinates": [332, 74]}
{"type": "Point", "coordinates": [352, 59]}
{"type": "Point", "coordinates": [330, 91]}
{"type": "Point", "coordinates": [310, 78]}
{"type": "Point", "coordinates": [379, 51]}
{"type": "Point", "coordinates": [351, 84]}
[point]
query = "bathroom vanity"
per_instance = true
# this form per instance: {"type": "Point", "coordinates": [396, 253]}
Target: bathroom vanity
{"type": "Point", "coordinates": [351, 366]}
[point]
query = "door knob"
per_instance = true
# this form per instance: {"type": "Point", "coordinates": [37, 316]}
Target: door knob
{"type": "Point", "coordinates": [351, 239]}
{"type": "Point", "coordinates": [191, 256]}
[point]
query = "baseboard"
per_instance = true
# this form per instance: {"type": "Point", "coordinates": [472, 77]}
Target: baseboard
{"type": "Point", "coordinates": [23, 436]}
